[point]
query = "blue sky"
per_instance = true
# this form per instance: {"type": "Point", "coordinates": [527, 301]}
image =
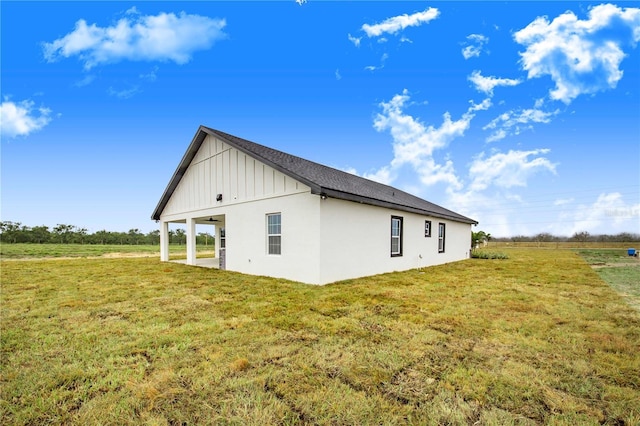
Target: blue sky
{"type": "Point", "coordinates": [522, 115]}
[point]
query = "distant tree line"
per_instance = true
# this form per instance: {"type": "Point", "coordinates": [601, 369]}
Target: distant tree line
{"type": "Point", "coordinates": [581, 237]}
{"type": "Point", "coordinates": [15, 232]}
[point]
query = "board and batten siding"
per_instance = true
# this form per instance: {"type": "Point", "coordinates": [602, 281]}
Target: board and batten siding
{"type": "Point", "coordinates": [218, 168]}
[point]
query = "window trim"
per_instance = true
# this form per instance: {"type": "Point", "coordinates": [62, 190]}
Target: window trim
{"type": "Point", "coordinates": [442, 235]}
{"type": "Point", "coordinates": [427, 229]}
{"type": "Point", "coordinates": [269, 235]}
{"type": "Point", "coordinates": [399, 219]}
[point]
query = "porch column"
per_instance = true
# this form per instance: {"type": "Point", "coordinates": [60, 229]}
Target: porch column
{"type": "Point", "coordinates": [216, 242]}
{"type": "Point", "coordinates": [164, 241]}
{"type": "Point", "coordinates": [191, 241]}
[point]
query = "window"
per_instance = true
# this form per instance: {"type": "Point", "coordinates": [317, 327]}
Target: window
{"type": "Point", "coordinates": [441, 232]}
{"type": "Point", "coordinates": [427, 228]}
{"type": "Point", "coordinates": [223, 239]}
{"type": "Point", "coordinates": [396, 236]}
{"type": "Point", "coordinates": [274, 236]}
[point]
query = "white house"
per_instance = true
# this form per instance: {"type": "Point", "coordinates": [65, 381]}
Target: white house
{"type": "Point", "coordinates": [283, 216]}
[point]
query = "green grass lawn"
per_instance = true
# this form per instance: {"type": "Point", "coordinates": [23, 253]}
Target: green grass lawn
{"type": "Point", "coordinates": [619, 270]}
{"type": "Point", "coordinates": [537, 338]}
{"type": "Point", "coordinates": [22, 251]}
{"type": "Point", "coordinates": [604, 256]}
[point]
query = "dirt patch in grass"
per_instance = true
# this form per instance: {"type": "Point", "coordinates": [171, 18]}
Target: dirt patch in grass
{"type": "Point", "coordinates": [613, 265]}
{"type": "Point", "coordinates": [619, 270]}
{"type": "Point", "coordinates": [111, 255]}
{"type": "Point", "coordinates": [534, 339]}
{"type": "Point", "coordinates": [68, 251]}
{"type": "Point", "coordinates": [104, 256]}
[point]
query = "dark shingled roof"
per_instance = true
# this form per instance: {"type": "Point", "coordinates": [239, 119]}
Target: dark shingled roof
{"type": "Point", "coordinates": [321, 179]}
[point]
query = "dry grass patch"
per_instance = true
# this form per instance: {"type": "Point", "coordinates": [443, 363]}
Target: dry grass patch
{"type": "Point", "coordinates": [536, 338]}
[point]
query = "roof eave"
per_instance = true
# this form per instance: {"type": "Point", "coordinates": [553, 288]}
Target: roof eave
{"type": "Point", "coordinates": [195, 144]}
{"type": "Point", "coordinates": [380, 203]}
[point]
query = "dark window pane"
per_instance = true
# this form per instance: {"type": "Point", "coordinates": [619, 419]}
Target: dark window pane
{"type": "Point", "coordinates": [274, 245]}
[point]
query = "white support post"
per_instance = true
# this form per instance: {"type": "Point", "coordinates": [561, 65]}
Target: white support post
{"type": "Point", "coordinates": [217, 242]}
{"type": "Point", "coordinates": [164, 241]}
{"type": "Point", "coordinates": [191, 241]}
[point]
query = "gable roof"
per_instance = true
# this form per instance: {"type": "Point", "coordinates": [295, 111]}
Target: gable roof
{"type": "Point", "coordinates": [321, 179]}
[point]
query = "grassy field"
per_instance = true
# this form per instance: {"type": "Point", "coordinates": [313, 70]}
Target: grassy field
{"type": "Point", "coordinates": [22, 251]}
{"type": "Point", "coordinates": [619, 270]}
{"type": "Point", "coordinates": [537, 338]}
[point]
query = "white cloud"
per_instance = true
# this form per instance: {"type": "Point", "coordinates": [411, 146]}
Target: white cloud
{"type": "Point", "coordinates": [383, 59]}
{"type": "Point", "coordinates": [515, 121]}
{"type": "Point", "coordinates": [482, 106]}
{"type": "Point", "coordinates": [487, 84]}
{"type": "Point", "coordinates": [497, 135]}
{"type": "Point", "coordinates": [413, 139]}
{"type": "Point", "coordinates": [124, 93]}
{"type": "Point", "coordinates": [151, 75]}
{"type": "Point", "coordinates": [21, 119]}
{"type": "Point", "coordinates": [580, 56]}
{"type": "Point", "coordinates": [350, 170]}
{"type": "Point", "coordinates": [398, 23]}
{"type": "Point", "coordinates": [562, 201]}
{"type": "Point", "coordinates": [354, 40]}
{"type": "Point", "coordinates": [414, 143]}
{"type": "Point", "coordinates": [301, 2]}
{"type": "Point", "coordinates": [85, 81]}
{"type": "Point", "coordinates": [163, 37]}
{"type": "Point", "coordinates": [609, 212]}
{"type": "Point", "coordinates": [475, 204]}
{"type": "Point", "coordinates": [474, 46]}
{"type": "Point", "coordinates": [491, 177]}
{"type": "Point", "coordinates": [382, 175]}
{"type": "Point", "coordinates": [506, 170]}
{"type": "Point", "coordinates": [338, 76]}
{"type": "Point", "coordinates": [470, 52]}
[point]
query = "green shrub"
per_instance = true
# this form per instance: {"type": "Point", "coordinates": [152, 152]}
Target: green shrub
{"type": "Point", "coordinates": [484, 254]}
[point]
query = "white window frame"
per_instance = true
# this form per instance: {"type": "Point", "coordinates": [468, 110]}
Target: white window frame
{"type": "Point", "coordinates": [398, 237]}
{"type": "Point", "coordinates": [442, 234]}
{"type": "Point", "coordinates": [272, 234]}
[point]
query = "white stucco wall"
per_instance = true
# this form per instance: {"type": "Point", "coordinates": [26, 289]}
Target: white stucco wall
{"type": "Point", "coordinates": [356, 241]}
{"type": "Point", "coordinates": [246, 238]}
{"type": "Point", "coordinates": [324, 241]}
